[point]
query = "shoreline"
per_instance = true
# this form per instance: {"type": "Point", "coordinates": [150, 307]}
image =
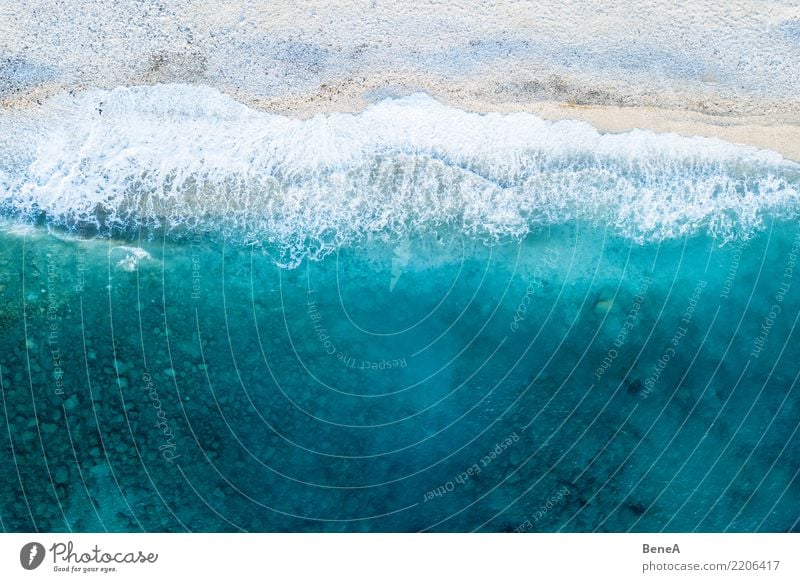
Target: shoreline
{"type": "Point", "coordinates": [774, 131]}
{"type": "Point", "coordinates": [778, 130]}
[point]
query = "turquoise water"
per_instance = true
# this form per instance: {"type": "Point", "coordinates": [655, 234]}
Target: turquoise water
{"type": "Point", "coordinates": [410, 319]}
{"type": "Point", "coordinates": [574, 381]}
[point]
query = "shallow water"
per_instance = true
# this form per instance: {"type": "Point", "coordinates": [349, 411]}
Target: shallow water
{"type": "Point", "coordinates": [572, 381]}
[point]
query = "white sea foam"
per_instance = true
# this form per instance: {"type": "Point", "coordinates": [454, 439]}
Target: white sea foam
{"type": "Point", "coordinates": [189, 157]}
{"type": "Point", "coordinates": [132, 256]}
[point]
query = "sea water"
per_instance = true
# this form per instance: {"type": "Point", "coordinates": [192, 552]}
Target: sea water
{"type": "Point", "coordinates": [411, 318]}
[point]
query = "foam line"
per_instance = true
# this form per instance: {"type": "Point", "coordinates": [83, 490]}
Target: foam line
{"type": "Point", "coordinates": [190, 157]}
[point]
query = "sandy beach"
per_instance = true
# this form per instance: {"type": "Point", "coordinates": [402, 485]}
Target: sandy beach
{"type": "Point", "coordinates": [695, 68]}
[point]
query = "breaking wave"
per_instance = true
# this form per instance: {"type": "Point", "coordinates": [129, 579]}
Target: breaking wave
{"type": "Point", "coordinates": [186, 158]}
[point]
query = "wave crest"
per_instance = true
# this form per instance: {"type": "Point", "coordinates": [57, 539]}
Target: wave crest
{"type": "Point", "coordinates": [186, 157]}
